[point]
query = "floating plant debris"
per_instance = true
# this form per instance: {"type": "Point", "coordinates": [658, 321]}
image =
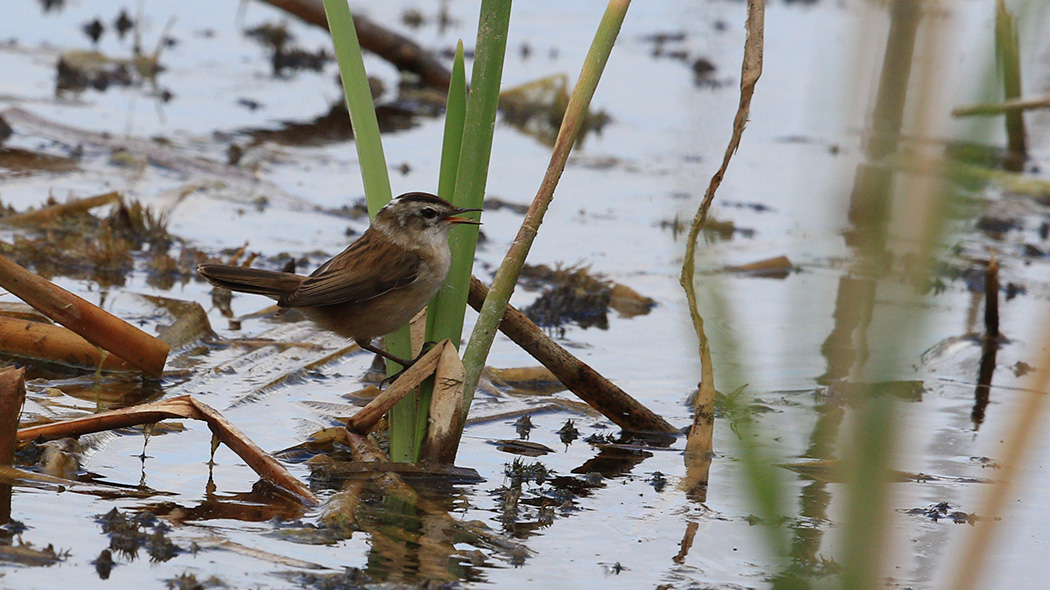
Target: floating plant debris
{"type": "Point", "coordinates": [574, 294]}
{"type": "Point", "coordinates": [537, 108]}
{"type": "Point", "coordinates": [568, 432]}
{"type": "Point", "coordinates": [523, 426]}
{"type": "Point", "coordinates": [943, 511]}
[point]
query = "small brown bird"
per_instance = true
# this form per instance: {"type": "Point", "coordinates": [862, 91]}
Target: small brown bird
{"type": "Point", "coordinates": [374, 286]}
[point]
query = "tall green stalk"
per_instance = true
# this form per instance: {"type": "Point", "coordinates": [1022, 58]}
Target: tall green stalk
{"type": "Point", "coordinates": [507, 276]}
{"type": "Point", "coordinates": [471, 173]}
{"type": "Point", "coordinates": [439, 326]}
{"type": "Point", "coordinates": [373, 174]}
{"type": "Point", "coordinates": [455, 119]}
{"type": "Point", "coordinates": [359, 102]}
{"type": "Point", "coordinates": [469, 125]}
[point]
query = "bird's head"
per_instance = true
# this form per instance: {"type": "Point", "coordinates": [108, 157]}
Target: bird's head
{"type": "Point", "coordinates": [419, 216]}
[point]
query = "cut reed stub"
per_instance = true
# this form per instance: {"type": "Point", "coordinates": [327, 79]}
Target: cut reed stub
{"type": "Point", "coordinates": [12, 394]}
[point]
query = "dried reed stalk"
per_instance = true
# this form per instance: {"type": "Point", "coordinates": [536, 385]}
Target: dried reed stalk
{"type": "Point", "coordinates": [12, 394]}
{"type": "Point", "coordinates": [37, 340]}
{"type": "Point", "coordinates": [367, 417]}
{"type": "Point", "coordinates": [96, 325]}
{"type": "Point", "coordinates": [589, 385]}
{"type": "Point", "coordinates": [45, 214]}
{"type": "Point", "coordinates": [701, 434]}
{"type": "Point", "coordinates": [185, 407]}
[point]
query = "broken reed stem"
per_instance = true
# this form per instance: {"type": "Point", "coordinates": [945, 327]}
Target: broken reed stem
{"type": "Point", "coordinates": [37, 340]}
{"type": "Point", "coordinates": [1019, 437]}
{"type": "Point", "coordinates": [446, 409]}
{"type": "Point", "coordinates": [96, 325]}
{"type": "Point", "coordinates": [262, 463]}
{"type": "Point", "coordinates": [182, 407]}
{"type": "Point", "coordinates": [12, 395]}
{"type": "Point", "coordinates": [53, 212]}
{"type": "Point", "coordinates": [174, 408]}
{"type": "Point", "coordinates": [588, 384]}
{"type": "Point", "coordinates": [401, 51]}
{"type": "Point", "coordinates": [367, 417]}
{"type": "Point", "coordinates": [507, 276]}
{"type": "Point", "coordinates": [701, 435]}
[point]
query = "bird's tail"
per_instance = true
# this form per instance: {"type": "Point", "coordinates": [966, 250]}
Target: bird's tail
{"type": "Point", "coordinates": [251, 280]}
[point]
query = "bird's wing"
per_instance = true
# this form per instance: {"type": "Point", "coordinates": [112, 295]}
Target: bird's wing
{"type": "Point", "coordinates": [356, 275]}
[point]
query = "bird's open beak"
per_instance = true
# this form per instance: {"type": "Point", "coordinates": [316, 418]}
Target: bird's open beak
{"type": "Point", "coordinates": [457, 220]}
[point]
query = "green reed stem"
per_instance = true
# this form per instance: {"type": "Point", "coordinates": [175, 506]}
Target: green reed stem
{"type": "Point", "coordinates": [506, 277]}
{"type": "Point", "coordinates": [441, 322]}
{"type": "Point", "coordinates": [455, 119]}
{"type": "Point", "coordinates": [471, 173]}
{"type": "Point", "coordinates": [376, 181]}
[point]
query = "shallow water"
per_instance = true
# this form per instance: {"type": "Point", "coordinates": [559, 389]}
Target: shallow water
{"type": "Point", "coordinates": [649, 165]}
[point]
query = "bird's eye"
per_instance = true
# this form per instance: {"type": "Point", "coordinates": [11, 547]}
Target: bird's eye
{"type": "Point", "coordinates": [429, 213]}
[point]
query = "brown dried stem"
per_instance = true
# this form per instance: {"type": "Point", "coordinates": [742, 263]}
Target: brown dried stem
{"type": "Point", "coordinates": [399, 50]}
{"type": "Point", "coordinates": [179, 407]}
{"type": "Point", "coordinates": [96, 325]}
{"type": "Point", "coordinates": [991, 299]}
{"type": "Point", "coordinates": [589, 385]}
{"type": "Point", "coordinates": [12, 394]}
{"type": "Point", "coordinates": [45, 214]}
{"type": "Point", "coordinates": [37, 340]}
{"type": "Point", "coordinates": [446, 409]}
{"type": "Point", "coordinates": [367, 417]}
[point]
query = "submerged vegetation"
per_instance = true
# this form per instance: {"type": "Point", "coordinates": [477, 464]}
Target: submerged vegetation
{"type": "Point", "coordinates": [69, 240]}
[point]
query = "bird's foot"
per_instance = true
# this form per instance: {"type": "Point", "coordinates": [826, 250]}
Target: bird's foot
{"type": "Point", "coordinates": [406, 365]}
{"type": "Point", "coordinates": [390, 379]}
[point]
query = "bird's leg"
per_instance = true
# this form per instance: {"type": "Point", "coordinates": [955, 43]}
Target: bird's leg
{"type": "Point", "coordinates": [405, 364]}
{"type": "Point", "coordinates": [367, 345]}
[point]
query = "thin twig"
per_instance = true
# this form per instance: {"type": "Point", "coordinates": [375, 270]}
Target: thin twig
{"type": "Point", "coordinates": [701, 435]}
{"type": "Point", "coordinates": [1007, 106]}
